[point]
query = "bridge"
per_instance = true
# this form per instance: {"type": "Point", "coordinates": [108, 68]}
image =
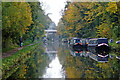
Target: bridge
{"type": "Point", "coordinates": [51, 31]}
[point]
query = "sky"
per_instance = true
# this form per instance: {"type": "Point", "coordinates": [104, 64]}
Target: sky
{"type": "Point", "coordinates": [53, 7]}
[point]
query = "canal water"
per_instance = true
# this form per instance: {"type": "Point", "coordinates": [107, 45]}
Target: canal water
{"type": "Point", "coordinates": [57, 60]}
{"type": "Point", "coordinates": [54, 69]}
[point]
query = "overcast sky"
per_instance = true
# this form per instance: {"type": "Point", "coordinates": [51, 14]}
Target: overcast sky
{"type": "Point", "coordinates": [54, 7]}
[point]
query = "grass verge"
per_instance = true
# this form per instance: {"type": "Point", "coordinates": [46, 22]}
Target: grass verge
{"type": "Point", "coordinates": [12, 63]}
{"type": "Point", "coordinates": [15, 46]}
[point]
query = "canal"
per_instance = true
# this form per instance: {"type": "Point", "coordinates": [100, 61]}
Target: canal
{"type": "Point", "coordinates": [57, 60]}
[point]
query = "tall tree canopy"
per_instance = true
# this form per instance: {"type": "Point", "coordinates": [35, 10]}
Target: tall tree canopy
{"type": "Point", "coordinates": [16, 18]}
{"type": "Point", "coordinates": [97, 19]}
{"type": "Point", "coordinates": [26, 19]}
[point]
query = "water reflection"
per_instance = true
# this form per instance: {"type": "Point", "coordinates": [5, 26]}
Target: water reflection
{"type": "Point", "coordinates": [79, 52]}
{"type": "Point", "coordinates": [54, 69]}
{"type": "Point", "coordinates": [91, 53]}
{"type": "Point", "coordinates": [57, 60]}
{"type": "Point", "coordinates": [99, 54]}
{"type": "Point", "coordinates": [88, 63]}
{"type": "Point", "coordinates": [34, 65]}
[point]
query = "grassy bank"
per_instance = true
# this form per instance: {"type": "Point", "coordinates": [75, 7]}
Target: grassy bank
{"type": "Point", "coordinates": [15, 45]}
{"type": "Point", "coordinates": [34, 66]}
{"type": "Point", "coordinates": [12, 63]}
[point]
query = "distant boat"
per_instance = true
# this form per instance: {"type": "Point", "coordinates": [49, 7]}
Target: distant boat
{"type": "Point", "coordinates": [99, 46]}
{"type": "Point", "coordinates": [96, 42]}
{"type": "Point", "coordinates": [75, 43]}
{"type": "Point", "coordinates": [84, 42]}
{"type": "Point", "coordinates": [92, 42]}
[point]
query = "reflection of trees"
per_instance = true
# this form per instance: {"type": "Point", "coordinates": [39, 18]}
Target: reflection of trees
{"type": "Point", "coordinates": [110, 70]}
{"type": "Point", "coordinates": [34, 66]}
{"type": "Point", "coordinates": [85, 67]}
{"type": "Point", "coordinates": [51, 46]}
{"type": "Point", "coordinates": [39, 62]}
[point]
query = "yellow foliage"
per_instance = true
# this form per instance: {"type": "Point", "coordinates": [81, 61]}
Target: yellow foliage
{"type": "Point", "coordinates": [112, 7]}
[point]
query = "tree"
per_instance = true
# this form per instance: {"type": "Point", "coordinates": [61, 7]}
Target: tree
{"type": "Point", "coordinates": [16, 20]}
{"type": "Point", "coordinates": [92, 19]}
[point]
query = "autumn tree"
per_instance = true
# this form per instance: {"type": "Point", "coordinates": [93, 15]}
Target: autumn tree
{"type": "Point", "coordinates": [16, 18]}
{"type": "Point", "coordinates": [97, 19]}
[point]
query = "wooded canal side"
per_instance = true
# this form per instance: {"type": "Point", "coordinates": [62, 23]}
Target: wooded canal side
{"type": "Point", "coordinates": [13, 63]}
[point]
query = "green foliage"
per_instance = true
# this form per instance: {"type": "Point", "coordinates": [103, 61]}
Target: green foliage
{"type": "Point", "coordinates": [91, 20]}
{"type": "Point", "coordinates": [12, 63]}
{"type": "Point", "coordinates": [61, 29]}
{"type": "Point", "coordinates": [16, 19]}
{"type": "Point", "coordinates": [26, 19]}
{"type": "Point", "coordinates": [85, 67]}
{"type": "Point", "coordinates": [116, 32]}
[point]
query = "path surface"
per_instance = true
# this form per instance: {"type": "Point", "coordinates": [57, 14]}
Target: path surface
{"type": "Point", "coordinates": [11, 52]}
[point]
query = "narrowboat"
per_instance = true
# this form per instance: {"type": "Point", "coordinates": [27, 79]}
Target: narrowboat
{"type": "Point", "coordinates": [75, 43]}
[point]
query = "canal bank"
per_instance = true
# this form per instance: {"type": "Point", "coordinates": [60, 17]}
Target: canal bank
{"type": "Point", "coordinates": [55, 60]}
{"type": "Point", "coordinates": [12, 63]}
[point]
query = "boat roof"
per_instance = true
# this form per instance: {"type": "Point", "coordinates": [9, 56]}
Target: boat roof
{"type": "Point", "coordinates": [75, 38]}
{"type": "Point", "coordinates": [93, 39]}
{"type": "Point", "coordinates": [97, 38]}
{"type": "Point", "coordinates": [102, 38]}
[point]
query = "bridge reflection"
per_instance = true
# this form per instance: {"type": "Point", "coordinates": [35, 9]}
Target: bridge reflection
{"type": "Point", "coordinates": [51, 47]}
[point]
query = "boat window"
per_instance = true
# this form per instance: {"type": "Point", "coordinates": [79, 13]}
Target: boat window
{"type": "Point", "coordinates": [77, 41]}
{"type": "Point", "coordinates": [102, 41]}
{"type": "Point", "coordinates": [93, 42]}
